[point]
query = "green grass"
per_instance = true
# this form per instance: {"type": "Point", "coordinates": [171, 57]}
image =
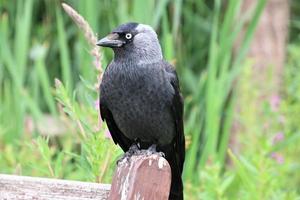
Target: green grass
{"type": "Point", "coordinates": [40, 43]}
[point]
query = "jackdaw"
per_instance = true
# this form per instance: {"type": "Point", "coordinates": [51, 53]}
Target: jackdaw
{"type": "Point", "coordinates": [140, 99]}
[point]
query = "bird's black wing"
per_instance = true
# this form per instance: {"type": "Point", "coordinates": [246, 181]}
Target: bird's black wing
{"type": "Point", "coordinates": [116, 134]}
{"type": "Point", "coordinates": [177, 112]}
{"type": "Point", "coordinates": [176, 154]}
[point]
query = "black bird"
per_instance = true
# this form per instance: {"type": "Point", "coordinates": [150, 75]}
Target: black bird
{"type": "Point", "coordinates": [140, 99]}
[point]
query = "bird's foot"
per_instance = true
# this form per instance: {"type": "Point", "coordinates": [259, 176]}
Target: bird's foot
{"type": "Point", "coordinates": [134, 149]}
{"type": "Point", "coordinates": [131, 151]}
{"type": "Point", "coordinates": [153, 150]}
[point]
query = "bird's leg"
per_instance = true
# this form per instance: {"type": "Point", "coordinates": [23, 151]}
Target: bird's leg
{"type": "Point", "coordinates": [137, 142]}
{"type": "Point", "coordinates": [133, 149]}
{"type": "Point", "coordinates": [153, 149]}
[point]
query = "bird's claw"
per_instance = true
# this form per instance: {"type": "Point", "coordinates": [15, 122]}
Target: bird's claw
{"type": "Point", "coordinates": [123, 158]}
{"type": "Point", "coordinates": [134, 149]}
{"type": "Point", "coordinates": [152, 150]}
{"type": "Point", "coordinates": [162, 154]}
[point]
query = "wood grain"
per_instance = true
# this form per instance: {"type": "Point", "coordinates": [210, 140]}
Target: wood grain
{"type": "Point", "coordinates": [142, 177]}
{"type": "Point", "coordinates": [25, 188]}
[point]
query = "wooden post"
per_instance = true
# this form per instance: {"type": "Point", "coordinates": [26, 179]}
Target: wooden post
{"type": "Point", "coordinates": [141, 176]}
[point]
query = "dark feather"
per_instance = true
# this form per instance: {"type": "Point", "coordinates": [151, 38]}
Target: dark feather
{"type": "Point", "coordinates": [126, 28]}
{"type": "Point", "coordinates": [117, 136]}
{"type": "Point", "coordinates": [176, 154]}
{"type": "Point", "coordinates": [177, 112]}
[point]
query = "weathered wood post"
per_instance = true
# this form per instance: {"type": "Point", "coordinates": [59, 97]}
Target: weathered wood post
{"type": "Point", "coordinates": [140, 177]}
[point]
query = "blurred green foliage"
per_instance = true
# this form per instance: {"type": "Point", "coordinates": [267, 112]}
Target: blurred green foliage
{"type": "Point", "coordinates": [39, 42]}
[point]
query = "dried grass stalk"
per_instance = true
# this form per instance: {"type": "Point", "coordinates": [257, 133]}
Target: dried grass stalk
{"type": "Point", "coordinates": [89, 36]}
{"type": "Point", "coordinates": [92, 40]}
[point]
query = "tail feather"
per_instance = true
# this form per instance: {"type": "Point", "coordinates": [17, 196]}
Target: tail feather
{"type": "Point", "coordinates": [176, 191]}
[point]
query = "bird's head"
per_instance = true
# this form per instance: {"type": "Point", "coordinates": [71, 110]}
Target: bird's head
{"type": "Point", "coordinates": [133, 41]}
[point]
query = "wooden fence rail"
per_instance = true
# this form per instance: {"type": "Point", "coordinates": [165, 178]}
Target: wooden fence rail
{"type": "Point", "coordinates": [22, 187]}
{"type": "Point", "coordinates": [140, 177]}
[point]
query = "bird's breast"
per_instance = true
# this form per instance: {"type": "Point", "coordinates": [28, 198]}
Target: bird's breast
{"type": "Point", "coordinates": [140, 103]}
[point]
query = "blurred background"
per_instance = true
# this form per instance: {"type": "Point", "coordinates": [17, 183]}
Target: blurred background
{"type": "Point", "coordinates": [238, 64]}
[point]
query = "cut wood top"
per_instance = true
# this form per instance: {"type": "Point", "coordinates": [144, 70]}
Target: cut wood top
{"type": "Point", "coordinates": [143, 176]}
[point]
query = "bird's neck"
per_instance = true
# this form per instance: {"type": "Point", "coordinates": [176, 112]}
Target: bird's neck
{"type": "Point", "coordinates": [138, 56]}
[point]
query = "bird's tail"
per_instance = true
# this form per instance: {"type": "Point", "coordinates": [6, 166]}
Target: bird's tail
{"type": "Point", "coordinates": [176, 191]}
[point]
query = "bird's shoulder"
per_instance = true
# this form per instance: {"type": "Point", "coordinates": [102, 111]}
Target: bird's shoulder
{"type": "Point", "coordinates": [168, 67]}
{"type": "Point", "coordinates": [162, 66]}
{"type": "Point", "coordinates": [171, 72]}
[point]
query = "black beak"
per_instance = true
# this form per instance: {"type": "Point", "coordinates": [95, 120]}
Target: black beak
{"type": "Point", "coordinates": [112, 40]}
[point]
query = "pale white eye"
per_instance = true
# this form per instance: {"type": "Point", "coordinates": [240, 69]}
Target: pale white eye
{"type": "Point", "coordinates": [128, 36]}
